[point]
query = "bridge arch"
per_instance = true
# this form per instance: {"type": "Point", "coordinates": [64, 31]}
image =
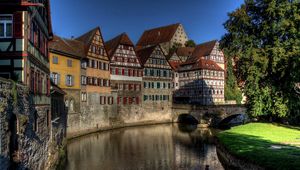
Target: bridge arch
{"type": "Point", "coordinates": [187, 118]}
{"type": "Point", "coordinates": [233, 120]}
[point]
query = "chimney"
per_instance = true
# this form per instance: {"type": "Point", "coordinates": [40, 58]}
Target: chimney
{"type": "Point", "coordinates": [158, 33]}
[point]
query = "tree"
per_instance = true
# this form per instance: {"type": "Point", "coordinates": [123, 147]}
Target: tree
{"type": "Point", "coordinates": [190, 43]}
{"type": "Point", "coordinates": [265, 37]}
{"type": "Point", "coordinates": [232, 91]}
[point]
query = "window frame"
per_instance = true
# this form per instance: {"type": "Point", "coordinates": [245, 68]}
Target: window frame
{"type": "Point", "coordinates": [5, 22]}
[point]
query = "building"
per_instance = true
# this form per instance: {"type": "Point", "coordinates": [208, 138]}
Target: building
{"type": "Point", "coordinates": [65, 66]}
{"type": "Point", "coordinates": [175, 62]}
{"type": "Point", "coordinates": [157, 77]}
{"type": "Point", "coordinates": [125, 69]}
{"type": "Point", "coordinates": [25, 29]}
{"type": "Point", "coordinates": [201, 77]}
{"type": "Point", "coordinates": [184, 52]}
{"type": "Point", "coordinates": [166, 36]}
{"type": "Point", "coordinates": [95, 76]}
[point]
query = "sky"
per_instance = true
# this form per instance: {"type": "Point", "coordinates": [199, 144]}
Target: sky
{"type": "Point", "coordinates": [202, 19]}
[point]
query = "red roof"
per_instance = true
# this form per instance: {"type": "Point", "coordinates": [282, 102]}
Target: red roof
{"type": "Point", "coordinates": [74, 48]}
{"type": "Point", "coordinates": [87, 38]}
{"type": "Point", "coordinates": [201, 50]}
{"type": "Point", "coordinates": [202, 64]}
{"type": "Point", "coordinates": [185, 51]}
{"type": "Point", "coordinates": [158, 35]}
{"type": "Point", "coordinates": [144, 53]}
{"type": "Point", "coordinates": [175, 64]}
{"type": "Point", "coordinates": [112, 44]}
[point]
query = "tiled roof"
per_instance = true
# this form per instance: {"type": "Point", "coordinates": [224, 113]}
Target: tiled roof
{"type": "Point", "coordinates": [201, 50]}
{"type": "Point", "coordinates": [185, 51]}
{"type": "Point", "coordinates": [112, 44]}
{"type": "Point", "coordinates": [74, 48]}
{"type": "Point", "coordinates": [158, 35]}
{"type": "Point", "coordinates": [202, 64]}
{"type": "Point", "coordinates": [144, 53]}
{"type": "Point", "coordinates": [175, 64]}
{"type": "Point", "coordinates": [87, 38]}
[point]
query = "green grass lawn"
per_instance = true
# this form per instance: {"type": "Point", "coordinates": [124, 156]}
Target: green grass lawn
{"type": "Point", "coordinates": [268, 145]}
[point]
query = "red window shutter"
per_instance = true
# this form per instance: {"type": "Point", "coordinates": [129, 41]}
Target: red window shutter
{"type": "Point", "coordinates": [129, 72]}
{"type": "Point", "coordinates": [124, 100]}
{"type": "Point", "coordinates": [135, 87]}
{"type": "Point", "coordinates": [17, 26]}
{"type": "Point", "coordinates": [123, 71]}
{"type": "Point", "coordinates": [134, 73]}
{"type": "Point", "coordinates": [118, 100]}
{"type": "Point", "coordinates": [137, 100]}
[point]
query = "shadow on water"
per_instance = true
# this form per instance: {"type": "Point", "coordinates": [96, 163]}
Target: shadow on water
{"type": "Point", "coordinates": [169, 146]}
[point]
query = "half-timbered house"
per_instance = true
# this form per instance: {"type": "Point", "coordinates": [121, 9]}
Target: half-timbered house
{"type": "Point", "coordinates": [157, 77]}
{"type": "Point", "coordinates": [96, 77]}
{"type": "Point", "coordinates": [202, 76]}
{"type": "Point", "coordinates": [25, 29]}
{"type": "Point", "coordinates": [125, 69]}
{"type": "Point", "coordinates": [175, 61]}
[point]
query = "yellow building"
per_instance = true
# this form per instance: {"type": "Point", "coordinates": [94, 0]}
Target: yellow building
{"type": "Point", "coordinates": [65, 67]}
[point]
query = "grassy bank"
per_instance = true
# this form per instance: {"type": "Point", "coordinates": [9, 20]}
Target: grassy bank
{"type": "Point", "coordinates": [270, 146]}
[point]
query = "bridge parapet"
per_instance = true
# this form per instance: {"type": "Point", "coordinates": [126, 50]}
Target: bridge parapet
{"type": "Point", "coordinates": [211, 115]}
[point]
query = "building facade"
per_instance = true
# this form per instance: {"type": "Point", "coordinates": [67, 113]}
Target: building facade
{"type": "Point", "coordinates": [157, 78]}
{"type": "Point", "coordinates": [125, 69]}
{"type": "Point", "coordinates": [25, 29]}
{"type": "Point", "coordinates": [202, 76]}
{"type": "Point", "coordinates": [175, 62]}
{"type": "Point", "coordinates": [65, 66]}
{"type": "Point", "coordinates": [166, 36]}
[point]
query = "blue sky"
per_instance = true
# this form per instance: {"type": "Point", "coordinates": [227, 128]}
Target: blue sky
{"type": "Point", "coordinates": [202, 19]}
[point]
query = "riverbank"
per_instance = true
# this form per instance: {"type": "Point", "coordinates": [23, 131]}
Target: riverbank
{"type": "Point", "coordinates": [266, 145]}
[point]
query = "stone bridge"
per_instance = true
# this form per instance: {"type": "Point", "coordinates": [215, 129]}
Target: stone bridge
{"type": "Point", "coordinates": [211, 115]}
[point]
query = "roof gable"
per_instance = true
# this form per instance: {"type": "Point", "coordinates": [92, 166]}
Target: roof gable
{"type": "Point", "coordinates": [201, 50]}
{"type": "Point", "coordinates": [158, 35]}
{"type": "Point", "coordinates": [112, 44]}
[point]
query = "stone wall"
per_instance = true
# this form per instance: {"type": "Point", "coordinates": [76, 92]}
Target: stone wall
{"type": "Point", "coordinates": [95, 117]}
{"type": "Point", "coordinates": [24, 131]}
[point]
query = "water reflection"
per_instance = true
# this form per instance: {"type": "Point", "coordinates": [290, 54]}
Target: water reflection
{"type": "Point", "coordinates": [159, 147]}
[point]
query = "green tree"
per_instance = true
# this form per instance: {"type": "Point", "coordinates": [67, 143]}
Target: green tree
{"type": "Point", "coordinates": [190, 43]}
{"type": "Point", "coordinates": [265, 37]}
{"type": "Point", "coordinates": [232, 91]}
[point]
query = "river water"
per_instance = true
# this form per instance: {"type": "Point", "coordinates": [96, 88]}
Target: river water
{"type": "Point", "coordinates": [168, 146]}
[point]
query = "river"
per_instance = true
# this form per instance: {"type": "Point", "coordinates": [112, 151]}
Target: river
{"type": "Point", "coordinates": [167, 146]}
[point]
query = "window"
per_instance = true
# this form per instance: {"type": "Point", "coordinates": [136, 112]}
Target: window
{"type": "Point", "coordinates": [83, 64]}
{"type": "Point", "coordinates": [55, 60]}
{"type": "Point", "coordinates": [83, 96]}
{"type": "Point", "coordinates": [69, 80]}
{"type": "Point", "coordinates": [6, 29]}
{"type": "Point", "coordinates": [55, 77]}
{"type": "Point", "coordinates": [69, 63]}
{"type": "Point", "coordinates": [83, 80]}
